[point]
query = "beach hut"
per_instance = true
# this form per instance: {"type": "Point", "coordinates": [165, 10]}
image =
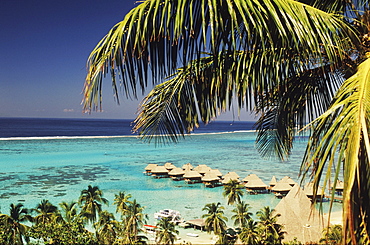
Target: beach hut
{"type": "Point", "coordinates": [273, 182]}
{"type": "Point", "coordinates": [159, 172]}
{"type": "Point", "coordinates": [227, 179]}
{"type": "Point", "coordinates": [169, 166]}
{"type": "Point", "coordinates": [176, 174]}
{"type": "Point", "coordinates": [149, 167]}
{"type": "Point", "coordinates": [192, 177]}
{"type": "Point", "coordinates": [308, 190]}
{"type": "Point", "coordinates": [300, 219]}
{"type": "Point", "coordinates": [197, 223]}
{"type": "Point", "coordinates": [256, 186]}
{"type": "Point", "coordinates": [250, 177]}
{"type": "Point", "coordinates": [187, 166]}
{"type": "Point", "coordinates": [210, 179]}
{"type": "Point", "coordinates": [281, 189]}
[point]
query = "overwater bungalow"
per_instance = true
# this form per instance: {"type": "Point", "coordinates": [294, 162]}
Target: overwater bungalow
{"type": "Point", "coordinates": [192, 177]}
{"type": "Point", "coordinates": [160, 172]}
{"type": "Point", "coordinates": [176, 174]}
{"type": "Point", "coordinates": [226, 179]}
{"type": "Point", "coordinates": [202, 169]}
{"type": "Point", "coordinates": [250, 177]}
{"type": "Point", "coordinates": [216, 172]}
{"type": "Point", "coordinates": [169, 166]}
{"type": "Point", "coordinates": [210, 179]}
{"type": "Point", "coordinates": [288, 180]}
{"type": "Point", "coordinates": [232, 175]}
{"type": "Point", "coordinates": [148, 169]}
{"type": "Point", "coordinates": [281, 189]}
{"type": "Point", "coordinates": [308, 190]}
{"type": "Point", "coordinates": [256, 186]}
{"type": "Point", "coordinates": [273, 182]}
{"type": "Point", "coordinates": [187, 166]}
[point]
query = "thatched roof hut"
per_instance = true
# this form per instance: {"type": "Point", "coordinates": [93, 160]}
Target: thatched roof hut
{"type": "Point", "coordinates": [210, 179]}
{"type": "Point", "coordinates": [256, 184]}
{"type": "Point", "coordinates": [308, 190]}
{"type": "Point", "coordinates": [299, 218]}
{"type": "Point", "coordinates": [192, 177]}
{"type": "Point", "coordinates": [160, 171]}
{"type": "Point", "coordinates": [232, 175]}
{"type": "Point", "coordinates": [197, 223]}
{"type": "Point", "coordinates": [288, 180]}
{"type": "Point", "coordinates": [169, 166]}
{"type": "Point", "coordinates": [281, 187]}
{"type": "Point", "coordinates": [227, 179]}
{"type": "Point", "coordinates": [149, 167]}
{"type": "Point", "coordinates": [187, 166]}
{"type": "Point", "coordinates": [273, 181]}
{"type": "Point", "coordinates": [250, 177]}
{"type": "Point", "coordinates": [216, 172]}
{"type": "Point", "coordinates": [176, 172]}
{"type": "Point", "coordinates": [202, 169]}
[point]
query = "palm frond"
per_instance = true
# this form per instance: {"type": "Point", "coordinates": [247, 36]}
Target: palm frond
{"type": "Point", "coordinates": [340, 140]}
{"type": "Point", "coordinates": [157, 37]}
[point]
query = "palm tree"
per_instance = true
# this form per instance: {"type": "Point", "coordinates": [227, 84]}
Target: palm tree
{"type": "Point", "coordinates": [133, 221]}
{"type": "Point", "coordinates": [69, 210]}
{"type": "Point", "coordinates": [250, 233]}
{"type": "Point", "coordinates": [214, 218]}
{"type": "Point", "coordinates": [121, 201]}
{"type": "Point", "coordinates": [107, 228]}
{"type": "Point", "coordinates": [46, 212]}
{"type": "Point", "coordinates": [233, 191]}
{"type": "Point", "coordinates": [92, 200]}
{"type": "Point", "coordinates": [13, 226]}
{"type": "Point", "coordinates": [271, 232]}
{"type": "Point", "coordinates": [283, 59]}
{"type": "Point", "coordinates": [167, 231]}
{"type": "Point", "coordinates": [241, 214]}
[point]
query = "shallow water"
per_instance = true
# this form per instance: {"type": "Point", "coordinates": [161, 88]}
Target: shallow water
{"type": "Point", "coordinates": [58, 169]}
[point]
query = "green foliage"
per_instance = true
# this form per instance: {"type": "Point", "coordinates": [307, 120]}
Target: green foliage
{"type": "Point", "coordinates": [214, 218]}
{"type": "Point", "coordinates": [167, 232]}
{"type": "Point", "coordinates": [233, 191]}
{"type": "Point", "coordinates": [332, 235]}
{"type": "Point", "coordinates": [62, 233]}
{"type": "Point", "coordinates": [91, 200]}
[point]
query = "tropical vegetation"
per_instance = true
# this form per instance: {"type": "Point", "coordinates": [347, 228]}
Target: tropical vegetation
{"type": "Point", "coordinates": [290, 62]}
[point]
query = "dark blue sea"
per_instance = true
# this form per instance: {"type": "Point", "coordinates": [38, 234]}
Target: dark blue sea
{"type": "Point", "coordinates": [49, 127]}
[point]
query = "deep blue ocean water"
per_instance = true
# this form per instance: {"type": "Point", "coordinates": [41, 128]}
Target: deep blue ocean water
{"type": "Point", "coordinates": [43, 165]}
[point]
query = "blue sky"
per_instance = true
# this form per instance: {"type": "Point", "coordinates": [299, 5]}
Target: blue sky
{"type": "Point", "coordinates": [44, 46]}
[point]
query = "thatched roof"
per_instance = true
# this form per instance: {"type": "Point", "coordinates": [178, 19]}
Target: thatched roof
{"type": "Point", "coordinates": [299, 218]}
{"type": "Point", "coordinates": [209, 176]}
{"type": "Point", "coordinates": [227, 180]}
{"type": "Point", "coordinates": [202, 168]}
{"type": "Point", "coordinates": [255, 183]}
{"type": "Point", "coordinates": [197, 222]}
{"type": "Point", "coordinates": [169, 166]}
{"type": "Point", "coordinates": [151, 166]}
{"type": "Point", "coordinates": [288, 180]}
{"type": "Point", "coordinates": [273, 181]}
{"type": "Point", "coordinates": [192, 174]}
{"type": "Point", "coordinates": [308, 190]}
{"type": "Point", "coordinates": [187, 166]}
{"type": "Point", "coordinates": [159, 170]}
{"type": "Point", "coordinates": [250, 177]}
{"type": "Point", "coordinates": [216, 172]}
{"type": "Point", "coordinates": [232, 175]}
{"type": "Point", "coordinates": [281, 186]}
{"type": "Point", "coordinates": [176, 171]}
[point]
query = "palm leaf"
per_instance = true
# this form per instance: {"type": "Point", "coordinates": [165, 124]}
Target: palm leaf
{"type": "Point", "coordinates": [340, 140]}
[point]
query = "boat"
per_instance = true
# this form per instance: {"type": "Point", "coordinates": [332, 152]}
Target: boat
{"type": "Point", "coordinates": [192, 234]}
{"type": "Point", "coordinates": [173, 215]}
{"type": "Point", "coordinates": [150, 228]}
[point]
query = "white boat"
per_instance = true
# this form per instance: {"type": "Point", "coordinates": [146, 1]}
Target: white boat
{"type": "Point", "coordinates": [192, 234]}
{"type": "Point", "coordinates": [173, 215]}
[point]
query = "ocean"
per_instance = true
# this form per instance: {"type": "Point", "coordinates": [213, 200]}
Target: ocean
{"type": "Point", "coordinates": [55, 159]}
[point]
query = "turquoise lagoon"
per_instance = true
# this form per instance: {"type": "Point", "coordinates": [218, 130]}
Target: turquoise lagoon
{"type": "Point", "coordinates": [57, 169]}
